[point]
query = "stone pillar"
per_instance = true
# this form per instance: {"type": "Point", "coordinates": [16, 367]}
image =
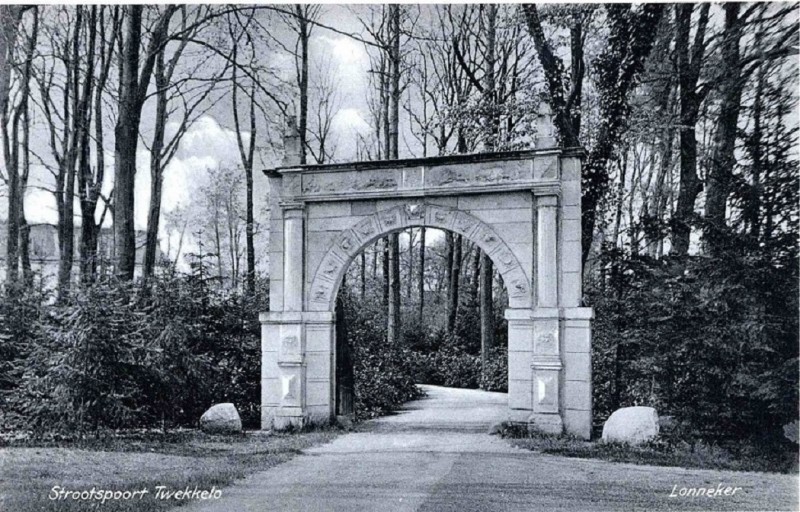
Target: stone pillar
{"type": "Point", "coordinates": [520, 358]}
{"type": "Point", "coordinates": [575, 320]}
{"type": "Point", "coordinates": [293, 256]}
{"type": "Point", "coordinates": [283, 331]}
{"type": "Point", "coordinates": [546, 357]}
{"type": "Point", "coordinates": [546, 251]}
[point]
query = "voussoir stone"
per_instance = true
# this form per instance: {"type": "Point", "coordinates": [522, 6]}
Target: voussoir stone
{"type": "Point", "coordinates": [633, 425]}
{"type": "Point", "coordinates": [221, 419]}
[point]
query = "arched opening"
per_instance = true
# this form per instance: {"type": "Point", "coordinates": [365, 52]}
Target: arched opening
{"type": "Point", "coordinates": [452, 330]}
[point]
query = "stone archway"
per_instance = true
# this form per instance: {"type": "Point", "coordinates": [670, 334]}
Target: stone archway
{"type": "Point", "coordinates": [522, 208]}
{"type": "Point", "coordinates": [349, 243]}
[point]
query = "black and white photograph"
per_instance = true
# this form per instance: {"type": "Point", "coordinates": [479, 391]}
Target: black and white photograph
{"type": "Point", "coordinates": [457, 257]}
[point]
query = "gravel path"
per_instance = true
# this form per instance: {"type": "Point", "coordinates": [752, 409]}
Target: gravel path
{"type": "Point", "coordinates": [435, 455]}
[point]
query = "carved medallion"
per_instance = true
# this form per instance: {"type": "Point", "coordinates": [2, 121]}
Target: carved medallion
{"type": "Point", "coordinates": [330, 268]}
{"type": "Point", "coordinates": [442, 217]}
{"type": "Point", "coordinates": [464, 223]}
{"type": "Point", "coordinates": [289, 345]}
{"type": "Point", "coordinates": [415, 211]}
{"type": "Point", "coordinates": [346, 244]}
{"type": "Point", "coordinates": [546, 343]}
{"type": "Point", "coordinates": [505, 258]}
{"type": "Point", "coordinates": [365, 228]}
{"type": "Point", "coordinates": [320, 294]}
{"type": "Point", "coordinates": [389, 219]}
{"type": "Point", "coordinates": [518, 288]}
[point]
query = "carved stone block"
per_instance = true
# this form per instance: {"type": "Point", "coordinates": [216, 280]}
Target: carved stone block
{"type": "Point", "coordinates": [545, 393]}
{"type": "Point", "coordinates": [415, 213]}
{"type": "Point", "coordinates": [390, 219]}
{"type": "Point", "coordinates": [290, 391]}
{"type": "Point", "coordinates": [366, 229]}
{"type": "Point", "coordinates": [545, 167]}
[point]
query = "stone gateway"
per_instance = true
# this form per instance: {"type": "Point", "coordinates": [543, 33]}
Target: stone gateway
{"type": "Point", "coordinates": [522, 208]}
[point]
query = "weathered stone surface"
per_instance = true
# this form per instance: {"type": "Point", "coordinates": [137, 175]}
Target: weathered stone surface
{"type": "Point", "coordinates": [515, 206]}
{"type": "Point", "coordinates": [633, 425]}
{"type": "Point", "coordinates": [221, 419]}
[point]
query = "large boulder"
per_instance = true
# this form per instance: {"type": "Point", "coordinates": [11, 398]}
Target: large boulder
{"type": "Point", "coordinates": [632, 425]}
{"type": "Point", "coordinates": [221, 419]}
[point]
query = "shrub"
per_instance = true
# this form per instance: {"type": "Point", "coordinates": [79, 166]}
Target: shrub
{"type": "Point", "coordinates": [712, 342]}
{"type": "Point", "coordinates": [120, 355]}
{"type": "Point", "coordinates": [82, 373]}
{"type": "Point", "coordinates": [495, 376]}
{"type": "Point", "coordinates": [383, 379]}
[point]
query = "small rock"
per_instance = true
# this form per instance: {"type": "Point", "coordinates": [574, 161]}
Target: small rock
{"type": "Point", "coordinates": [221, 419]}
{"type": "Point", "coordinates": [790, 431]}
{"type": "Point", "coordinates": [633, 425]}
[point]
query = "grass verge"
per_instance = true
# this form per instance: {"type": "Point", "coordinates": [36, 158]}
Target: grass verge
{"type": "Point", "coordinates": [28, 472]}
{"type": "Point", "coordinates": [658, 452]}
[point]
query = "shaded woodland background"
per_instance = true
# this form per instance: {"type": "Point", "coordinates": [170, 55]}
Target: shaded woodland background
{"type": "Point", "coordinates": [688, 114]}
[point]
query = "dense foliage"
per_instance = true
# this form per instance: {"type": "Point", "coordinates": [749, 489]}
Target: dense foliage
{"type": "Point", "coordinates": [711, 341]}
{"type": "Point", "coordinates": [383, 377]}
{"type": "Point", "coordinates": [121, 356]}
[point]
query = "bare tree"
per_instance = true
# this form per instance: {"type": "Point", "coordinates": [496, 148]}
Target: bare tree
{"type": "Point", "coordinates": [184, 97]}
{"type": "Point", "coordinates": [132, 95]}
{"type": "Point", "coordinates": [10, 17]}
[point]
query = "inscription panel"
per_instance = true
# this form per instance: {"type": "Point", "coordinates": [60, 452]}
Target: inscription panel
{"type": "Point", "coordinates": [350, 181]}
{"type": "Point", "coordinates": [466, 175]}
{"type": "Point", "coordinates": [478, 173]}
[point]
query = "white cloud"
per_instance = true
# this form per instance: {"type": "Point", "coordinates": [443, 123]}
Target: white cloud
{"type": "Point", "coordinates": [349, 119]}
{"type": "Point", "coordinates": [346, 51]}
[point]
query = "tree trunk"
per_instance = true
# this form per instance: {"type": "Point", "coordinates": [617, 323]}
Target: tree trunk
{"type": "Point", "coordinates": [363, 280]}
{"type": "Point", "coordinates": [688, 73]}
{"type": "Point", "coordinates": [394, 329]}
{"type": "Point", "coordinates": [487, 311]}
{"type": "Point", "coordinates": [126, 140]}
{"type": "Point", "coordinates": [385, 269]}
{"type": "Point", "coordinates": [448, 265]}
{"type": "Point", "coordinates": [156, 171]}
{"type": "Point", "coordinates": [475, 283]}
{"type": "Point", "coordinates": [394, 114]}
{"type": "Point", "coordinates": [302, 22]}
{"type": "Point", "coordinates": [492, 127]}
{"type": "Point", "coordinates": [752, 206]}
{"type": "Point", "coordinates": [249, 214]}
{"type": "Point", "coordinates": [720, 175]}
{"type": "Point", "coordinates": [421, 274]}
{"type": "Point", "coordinates": [133, 90]}
{"type": "Point", "coordinates": [410, 279]}
{"type": "Point", "coordinates": [9, 21]}
{"type": "Point", "coordinates": [632, 36]}
{"type": "Point", "coordinates": [394, 320]}
{"type": "Point", "coordinates": [455, 274]}
{"type": "Point", "coordinates": [75, 152]}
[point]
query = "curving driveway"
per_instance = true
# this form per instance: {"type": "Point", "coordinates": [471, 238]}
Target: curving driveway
{"type": "Point", "coordinates": [435, 455]}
